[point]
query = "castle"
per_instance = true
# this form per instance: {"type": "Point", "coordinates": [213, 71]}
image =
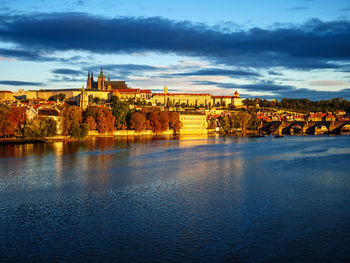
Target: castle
{"type": "Point", "coordinates": [103, 85]}
{"type": "Point", "coordinates": [103, 90]}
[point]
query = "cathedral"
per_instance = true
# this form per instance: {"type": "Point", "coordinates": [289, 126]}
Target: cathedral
{"type": "Point", "coordinates": [103, 85]}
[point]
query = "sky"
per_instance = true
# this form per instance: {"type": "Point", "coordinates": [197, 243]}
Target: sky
{"type": "Point", "coordinates": [267, 49]}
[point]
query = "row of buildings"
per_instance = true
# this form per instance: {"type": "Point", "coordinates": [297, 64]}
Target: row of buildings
{"type": "Point", "coordinates": [103, 90]}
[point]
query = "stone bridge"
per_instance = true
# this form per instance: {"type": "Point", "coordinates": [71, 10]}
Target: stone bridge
{"type": "Point", "coordinates": [302, 127]}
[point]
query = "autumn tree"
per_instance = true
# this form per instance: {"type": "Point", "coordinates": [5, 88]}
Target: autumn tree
{"type": "Point", "coordinates": [12, 120]}
{"type": "Point", "coordinates": [163, 120]}
{"type": "Point", "coordinates": [174, 121]}
{"type": "Point", "coordinates": [90, 121]}
{"type": "Point", "coordinates": [138, 122]}
{"type": "Point", "coordinates": [72, 118]}
{"type": "Point", "coordinates": [153, 117]}
{"type": "Point", "coordinates": [90, 117]}
{"type": "Point", "coordinates": [105, 120]}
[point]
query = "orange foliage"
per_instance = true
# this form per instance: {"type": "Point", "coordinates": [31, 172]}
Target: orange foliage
{"type": "Point", "coordinates": [72, 117]}
{"type": "Point", "coordinates": [138, 122]}
{"type": "Point", "coordinates": [91, 122]}
{"type": "Point", "coordinates": [105, 120]}
{"type": "Point", "coordinates": [11, 120]}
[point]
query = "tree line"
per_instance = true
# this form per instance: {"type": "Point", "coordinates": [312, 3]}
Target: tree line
{"type": "Point", "coordinates": [303, 104]}
{"type": "Point", "coordinates": [76, 122]}
{"type": "Point", "coordinates": [238, 122]}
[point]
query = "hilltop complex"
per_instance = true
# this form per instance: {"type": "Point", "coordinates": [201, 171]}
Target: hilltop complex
{"type": "Point", "coordinates": [103, 90]}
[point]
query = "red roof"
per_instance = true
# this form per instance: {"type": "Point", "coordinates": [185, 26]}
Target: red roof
{"type": "Point", "coordinates": [189, 94]}
{"type": "Point", "coordinates": [146, 91]}
{"type": "Point", "coordinates": [5, 91]}
{"type": "Point", "coordinates": [223, 97]}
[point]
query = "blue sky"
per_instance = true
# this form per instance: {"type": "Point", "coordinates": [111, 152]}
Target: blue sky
{"type": "Point", "coordinates": [272, 49]}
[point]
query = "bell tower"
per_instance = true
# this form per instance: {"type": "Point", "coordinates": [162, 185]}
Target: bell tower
{"type": "Point", "coordinates": [88, 82]}
{"type": "Point", "coordinates": [101, 81]}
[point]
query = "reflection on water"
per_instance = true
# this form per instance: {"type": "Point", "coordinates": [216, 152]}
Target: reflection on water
{"type": "Point", "coordinates": [176, 199]}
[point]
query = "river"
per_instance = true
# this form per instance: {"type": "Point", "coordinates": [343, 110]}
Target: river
{"type": "Point", "coordinates": [177, 200]}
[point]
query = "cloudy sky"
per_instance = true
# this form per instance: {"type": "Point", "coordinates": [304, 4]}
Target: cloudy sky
{"type": "Point", "coordinates": [272, 48]}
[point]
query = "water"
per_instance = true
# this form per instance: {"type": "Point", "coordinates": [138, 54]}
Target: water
{"type": "Point", "coordinates": [188, 200]}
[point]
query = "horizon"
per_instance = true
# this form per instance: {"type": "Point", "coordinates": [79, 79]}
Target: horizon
{"type": "Point", "coordinates": [297, 49]}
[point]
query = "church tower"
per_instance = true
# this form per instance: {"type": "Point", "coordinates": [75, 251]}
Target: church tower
{"type": "Point", "coordinates": [101, 81]}
{"type": "Point", "coordinates": [165, 91]}
{"type": "Point", "coordinates": [88, 82]}
{"type": "Point", "coordinates": [84, 100]}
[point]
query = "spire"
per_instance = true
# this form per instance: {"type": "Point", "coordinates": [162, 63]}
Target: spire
{"type": "Point", "coordinates": [165, 91]}
{"type": "Point", "coordinates": [101, 73]}
{"type": "Point", "coordinates": [109, 78]}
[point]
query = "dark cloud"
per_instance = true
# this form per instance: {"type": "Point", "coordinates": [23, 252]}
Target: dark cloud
{"type": "Point", "coordinates": [307, 46]}
{"type": "Point", "coordinates": [279, 91]}
{"type": "Point", "coordinates": [32, 55]}
{"type": "Point", "coordinates": [19, 83]}
{"type": "Point", "coordinates": [274, 73]}
{"type": "Point", "coordinates": [66, 71]}
{"type": "Point", "coordinates": [219, 72]}
{"type": "Point", "coordinates": [21, 54]}
{"type": "Point", "coordinates": [122, 71]}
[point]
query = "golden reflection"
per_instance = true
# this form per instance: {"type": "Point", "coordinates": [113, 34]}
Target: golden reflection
{"type": "Point", "coordinates": [58, 150]}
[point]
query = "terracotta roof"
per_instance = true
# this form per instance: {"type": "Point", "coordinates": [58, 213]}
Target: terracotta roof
{"type": "Point", "coordinates": [5, 91]}
{"type": "Point", "coordinates": [224, 97]}
{"type": "Point", "coordinates": [187, 94]}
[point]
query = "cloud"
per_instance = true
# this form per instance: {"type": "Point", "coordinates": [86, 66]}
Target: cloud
{"type": "Point", "coordinates": [19, 83]}
{"type": "Point", "coordinates": [329, 83]}
{"type": "Point", "coordinates": [278, 91]}
{"type": "Point", "coordinates": [34, 55]}
{"type": "Point", "coordinates": [21, 54]}
{"type": "Point", "coordinates": [219, 72]}
{"type": "Point", "coordinates": [66, 71]}
{"type": "Point", "coordinates": [307, 46]}
{"type": "Point", "coordinates": [274, 73]}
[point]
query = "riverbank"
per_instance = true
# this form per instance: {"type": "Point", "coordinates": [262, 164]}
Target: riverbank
{"type": "Point", "coordinates": [6, 141]}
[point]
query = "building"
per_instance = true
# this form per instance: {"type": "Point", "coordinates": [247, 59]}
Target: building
{"type": "Point", "coordinates": [181, 99]}
{"type": "Point", "coordinates": [83, 99]}
{"type": "Point", "coordinates": [134, 94]}
{"type": "Point", "coordinates": [103, 85]}
{"type": "Point", "coordinates": [236, 100]}
{"type": "Point", "coordinates": [6, 95]}
{"type": "Point", "coordinates": [193, 123]}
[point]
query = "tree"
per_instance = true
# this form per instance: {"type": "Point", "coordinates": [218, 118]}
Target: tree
{"type": "Point", "coordinates": [163, 120]}
{"type": "Point", "coordinates": [38, 128]}
{"type": "Point", "coordinates": [90, 121]}
{"type": "Point", "coordinates": [174, 121]}
{"type": "Point", "coordinates": [154, 121]}
{"type": "Point", "coordinates": [225, 124]}
{"type": "Point", "coordinates": [243, 118]}
{"type": "Point", "coordinates": [253, 122]}
{"type": "Point", "coordinates": [12, 120]}
{"type": "Point", "coordinates": [72, 118]}
{"type": "Point", "coordinates": [138, 122]}
{"type": "Point", "coordinates": [105, 120]}
{"type": "Point", "coordinates": [120, 110]}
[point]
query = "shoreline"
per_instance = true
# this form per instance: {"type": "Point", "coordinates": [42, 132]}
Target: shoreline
{"type": "Point", "coordinates": [18, 141]}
